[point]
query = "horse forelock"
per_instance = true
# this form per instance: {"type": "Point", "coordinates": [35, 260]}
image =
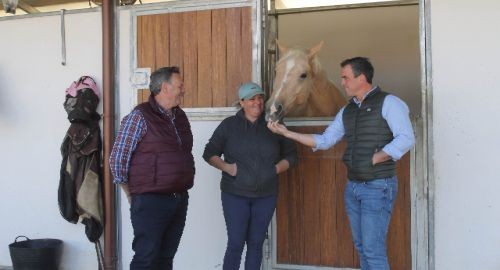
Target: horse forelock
{"type": "Point", "coordinates": [296, 53]}
{"type": "Point", "coordinates": [292, 53]}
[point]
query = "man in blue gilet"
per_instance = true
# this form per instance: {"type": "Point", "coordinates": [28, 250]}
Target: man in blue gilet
{"type": "Point", "coordinates": [378, 131]}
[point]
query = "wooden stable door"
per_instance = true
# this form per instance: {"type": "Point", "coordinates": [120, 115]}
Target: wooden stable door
{"type": "Point", "coordinates": [213, 48]}
{"type": "Point", "coordinates": [312, 227]}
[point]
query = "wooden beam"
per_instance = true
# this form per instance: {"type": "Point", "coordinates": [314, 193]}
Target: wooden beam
{"type": "Point", "coordinates": [27, 8]}
{"type": "Point", "coordinates": [41, 3]}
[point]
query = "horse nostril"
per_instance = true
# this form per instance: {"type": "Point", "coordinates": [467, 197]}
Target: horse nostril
{"type": "Point", "coordinates": [280, 108]}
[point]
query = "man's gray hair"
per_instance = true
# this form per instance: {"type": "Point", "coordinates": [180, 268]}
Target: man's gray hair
{"type": "Point", "coordinates": [159, 76]}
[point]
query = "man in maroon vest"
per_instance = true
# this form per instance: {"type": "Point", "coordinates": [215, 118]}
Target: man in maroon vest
{"type": "Point", "coordinates": [152, 161]}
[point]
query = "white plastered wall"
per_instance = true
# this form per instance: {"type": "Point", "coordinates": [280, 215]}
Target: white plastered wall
{"type": "Point", "coordinates": [465, 57]}
{"type": "Point", "coordinates": [33, 124]}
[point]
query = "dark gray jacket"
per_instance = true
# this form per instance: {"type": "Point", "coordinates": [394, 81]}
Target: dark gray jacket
{"type": "Point", "coordinates": [255, 150]}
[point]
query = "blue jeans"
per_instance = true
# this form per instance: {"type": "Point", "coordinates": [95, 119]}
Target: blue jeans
{"type": "Point", "coordinates": [247, 220]}
{"type": "Point", "coordinates": [158, 221]}
{"type": "Point", "coordinates": [369, 208]}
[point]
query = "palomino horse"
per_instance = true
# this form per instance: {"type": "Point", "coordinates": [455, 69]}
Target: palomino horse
{"type": "Point", "coordinates": [301, 88]}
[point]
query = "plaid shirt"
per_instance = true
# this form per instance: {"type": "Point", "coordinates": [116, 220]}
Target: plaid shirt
{"type": "Point", "coordinates": [133, 127]}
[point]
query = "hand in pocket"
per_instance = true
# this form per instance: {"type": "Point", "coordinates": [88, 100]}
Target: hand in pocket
{"type": "Point", "coordinates": [232, 169]}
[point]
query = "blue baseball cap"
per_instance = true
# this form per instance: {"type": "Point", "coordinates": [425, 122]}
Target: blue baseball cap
{"type": "Point", "coordinates": [249, 90]}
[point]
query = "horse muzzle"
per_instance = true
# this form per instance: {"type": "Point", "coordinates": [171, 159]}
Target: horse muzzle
{"type": "Point", "coordinates": [275, 113]}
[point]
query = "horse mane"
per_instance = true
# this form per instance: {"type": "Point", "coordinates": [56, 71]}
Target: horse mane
{"type": "Point", "coordinates": [325, 99]}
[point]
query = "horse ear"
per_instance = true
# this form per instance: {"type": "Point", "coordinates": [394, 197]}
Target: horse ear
{"type": "Point", "coordinates": [314, 50]}
{"type": "Point", "coordinates": [283, 49]}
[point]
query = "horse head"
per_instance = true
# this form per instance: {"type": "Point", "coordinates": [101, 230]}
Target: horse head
{"type": "Point", "coordinates": [295, 73]}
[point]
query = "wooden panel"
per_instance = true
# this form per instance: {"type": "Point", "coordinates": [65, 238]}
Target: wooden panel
{"type": "Point", "coordinates": [139, 96]}
{"type": "Point", "coordinates": [162, 46]}
{"type": "Point", "coordinates": [398, 250]}
{"type": "Point", "coordinates": [328, 215]}
{"type": "Point", "coordinates": [290, 217]}
{"type": "Point", "coordinates": [233, 27]}
{"type": "Point", "coordinates": [145, 42]}
{"type": "Point", "coordinates": [218, 67]}
{"type": "Point", "coordinates": [246, 44]}
{"type": "Point", "coordinates": [146, 49]}
{"type": "Point", "coordinates": [311, 209]}
{"type": "Point", "coordinates": [282, 211]}
{"type": "Point", "coordinates": [175, 40]}
{"type": "Point", "coordinates": [213, 66]}
{"type": "Point", "coordinates": [296, 233]}
{"type": "Point", "coordinates": [142, 95]}
{"type": "Point", "coordinates": [189, 58]}
{"type": "Point", "coordinates": [204, 30]}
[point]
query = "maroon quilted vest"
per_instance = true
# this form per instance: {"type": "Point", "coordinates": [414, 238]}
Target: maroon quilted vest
{"type": "Point", "coordinates": [162, 161]}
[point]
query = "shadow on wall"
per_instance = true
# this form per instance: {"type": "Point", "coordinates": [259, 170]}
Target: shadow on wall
{"type": "Point", "coordinates": [7, 106]}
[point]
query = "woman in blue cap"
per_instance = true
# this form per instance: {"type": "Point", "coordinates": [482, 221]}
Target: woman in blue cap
{"type": "Point", "coordinates": [253, 158]}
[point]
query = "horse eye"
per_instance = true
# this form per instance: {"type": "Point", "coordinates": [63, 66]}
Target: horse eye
{"type": "Point", "coordinates": [303, 75]}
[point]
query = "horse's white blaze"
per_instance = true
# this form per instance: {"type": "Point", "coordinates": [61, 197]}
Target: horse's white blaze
{"type": "Point", "coordinates": [290, 63]}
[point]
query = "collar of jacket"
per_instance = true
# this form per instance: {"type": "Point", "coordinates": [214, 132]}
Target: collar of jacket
{"type": "Point", "coordinates": [157, 109]}
{"type": "Point", "coordinates": [241, 114]}
{"type": "Point", "coordinates": [370, 94]}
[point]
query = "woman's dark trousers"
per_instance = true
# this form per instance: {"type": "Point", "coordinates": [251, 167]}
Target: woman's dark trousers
{"type": "Point", "coordinates": [247, 220]}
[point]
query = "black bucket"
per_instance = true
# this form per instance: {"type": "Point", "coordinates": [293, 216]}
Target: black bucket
{"type": "Point", "coordinates": [35, 254]}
